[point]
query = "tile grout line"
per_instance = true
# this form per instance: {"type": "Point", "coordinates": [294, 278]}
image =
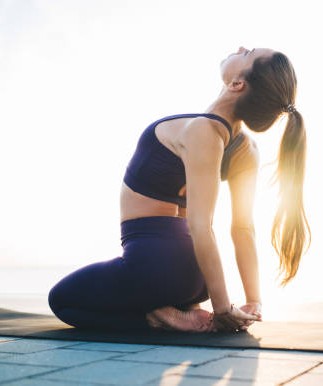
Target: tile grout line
{"type": "Point", "coordinates": [275, 359]}
{"type": "Point", "coordinates": [300, 374]}
{"type": "Point", "coordinates": [61, 367]}
{"type": "Point", "coordinates": [119, 359]}
{"type": "Point", "coordinates": [31, 352]}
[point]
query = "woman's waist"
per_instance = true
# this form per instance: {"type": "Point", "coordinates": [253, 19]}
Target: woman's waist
{"type": "Point", "coordinates": [135, 205]}
{"type": "Point", "coordinates": [160, 227]}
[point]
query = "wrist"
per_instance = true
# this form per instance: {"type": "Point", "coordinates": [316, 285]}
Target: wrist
{"type": "Point", "coordinates": [220, 303]}
{"type": "Point", "coordinates": [253, 301]}
{"type": "Point", "coordinates": [222, 310]}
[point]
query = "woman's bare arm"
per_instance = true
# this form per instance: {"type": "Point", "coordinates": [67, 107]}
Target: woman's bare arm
{"type": "Point", "coordinates": [242, 188]}
{"type": "Point", "coordinates": [202, 153]}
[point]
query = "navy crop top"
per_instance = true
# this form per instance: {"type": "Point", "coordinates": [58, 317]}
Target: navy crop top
{"type": "Point", "coordinates": [157, 172]}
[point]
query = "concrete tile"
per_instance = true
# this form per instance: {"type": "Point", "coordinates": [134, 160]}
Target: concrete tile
{"type": "Point", "coordinates": [117, 347]}
{"type": "Point", "coordinates": [59, 357]}
{"type": "Point", "coordinates": [177, 380]}
{"type": "Point", "coordinates": [111, 372]}
{"type": "Point", "coordinates": [281, 354]}
{"type": "Point", "coordinates": [248, 369]}
{"type": "Point", "coordinates": [308, 379]}
{"type": "Point", "coordinates": [11, 372]}
{"type": "Point", "coordinates": [3, 355]}
{"type": "Point", "coordinates": [31, 345]}
{"type": "Point", "coordinates": [177, 355]}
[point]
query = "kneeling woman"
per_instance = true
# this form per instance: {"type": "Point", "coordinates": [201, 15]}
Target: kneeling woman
{"type": "Point", "coordinates": [171, 262]}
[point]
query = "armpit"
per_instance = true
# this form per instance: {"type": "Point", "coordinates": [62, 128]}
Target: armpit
{"type": "Point", "coordinates": [244, 157]}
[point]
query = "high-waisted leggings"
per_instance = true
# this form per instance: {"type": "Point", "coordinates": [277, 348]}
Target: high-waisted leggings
{"type": "Point", "coordinates": [158, 268]}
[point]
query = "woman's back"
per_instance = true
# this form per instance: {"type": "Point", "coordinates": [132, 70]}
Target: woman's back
{"type": "Point", "coordinates": [154, 183]}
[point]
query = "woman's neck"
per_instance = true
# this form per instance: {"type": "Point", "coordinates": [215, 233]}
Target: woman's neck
{"type": "Point", "coordinates": [224, 108]}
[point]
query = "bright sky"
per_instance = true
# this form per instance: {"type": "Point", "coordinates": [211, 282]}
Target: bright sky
{"type": "Point", "coordinates": [79, 81]}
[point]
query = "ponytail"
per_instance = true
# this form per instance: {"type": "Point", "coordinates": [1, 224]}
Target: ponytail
{"type": "Point", "coordinates": [290, 232]}
{"type": "Point", "coordinates": [272, 87]}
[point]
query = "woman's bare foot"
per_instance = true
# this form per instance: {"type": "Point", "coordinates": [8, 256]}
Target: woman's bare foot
{"type": "Point", "coordinates": [171, 318]}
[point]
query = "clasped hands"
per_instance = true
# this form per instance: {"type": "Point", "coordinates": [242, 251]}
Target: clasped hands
{"type": "Point", "coordinates": [236, 319]}
{"type": "Point", "coordinates": [199, 320]}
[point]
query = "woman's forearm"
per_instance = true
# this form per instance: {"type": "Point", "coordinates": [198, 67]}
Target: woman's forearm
{"type": "Point", "coordinates": [209, 261]}
{"type": "Point", "coordinates": [247, 261]}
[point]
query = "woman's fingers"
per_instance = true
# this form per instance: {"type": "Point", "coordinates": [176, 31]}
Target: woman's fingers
{"type": "Point", "coordinates": [240, 314]}
{"type": "Point", "coordinates": [253, 308]}
{"type": "Point", "coordinates": [234, 320]}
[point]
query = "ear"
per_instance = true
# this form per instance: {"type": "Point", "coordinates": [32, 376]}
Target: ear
{"type": "Point", "coordinates": [237, 85]}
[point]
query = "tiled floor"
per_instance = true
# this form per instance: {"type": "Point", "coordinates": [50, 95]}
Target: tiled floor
{"type": "Point", "coordinates": [39, 362]}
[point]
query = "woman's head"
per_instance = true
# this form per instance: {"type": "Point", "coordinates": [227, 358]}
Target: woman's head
{"type": "Point", "coordinates": [269, 90]}
{"type": "Point", "coordinates": [236, 64]}
{"type": "Point", "coordinates": [267, 85]}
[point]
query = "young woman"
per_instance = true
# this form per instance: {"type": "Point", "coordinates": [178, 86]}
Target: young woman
{"type": "Point", "coordinates": [171, 261]}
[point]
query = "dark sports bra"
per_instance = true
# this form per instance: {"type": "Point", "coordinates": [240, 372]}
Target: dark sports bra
{"type": "Point", "coordinates": [156, 172]}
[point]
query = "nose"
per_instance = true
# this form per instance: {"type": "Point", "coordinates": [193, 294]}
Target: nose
{"type": "Point", "coordinates": [241, 50]}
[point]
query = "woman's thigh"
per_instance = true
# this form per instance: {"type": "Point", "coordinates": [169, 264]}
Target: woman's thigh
{"type": "Point", "coordinates": [157, 269]}
{"type": "Point", "coordinates": [164, 271]}
{"type": "Point", "coordinates": [98, 286]}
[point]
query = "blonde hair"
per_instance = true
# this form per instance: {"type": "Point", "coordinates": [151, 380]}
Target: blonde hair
{"type": "Point", "coordinates": [272, 90]}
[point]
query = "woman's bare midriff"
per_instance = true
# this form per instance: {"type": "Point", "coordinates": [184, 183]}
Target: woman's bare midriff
{"type": "Point", "coordinates": [135, 205]}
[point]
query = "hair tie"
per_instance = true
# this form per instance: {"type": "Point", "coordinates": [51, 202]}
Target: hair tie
{"type": "Point", "coordinates": [289, 108]}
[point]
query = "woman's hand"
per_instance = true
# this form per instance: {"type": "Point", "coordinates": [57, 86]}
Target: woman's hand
{"type": "Point", "coordinates": [253, 308]}
{"type": "Point", "coordinates": [236, 319]}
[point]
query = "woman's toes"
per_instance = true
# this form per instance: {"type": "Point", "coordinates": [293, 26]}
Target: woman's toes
{"type": "Point", "coordinates": [153, 321]}
{"type": "Point", "coordinates": [196, 320]}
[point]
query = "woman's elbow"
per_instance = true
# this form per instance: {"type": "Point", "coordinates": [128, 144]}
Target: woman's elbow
{"type": "Point", "coordinates": [198, 228]}
{"type": "Point", "coordinates": [242, 231]}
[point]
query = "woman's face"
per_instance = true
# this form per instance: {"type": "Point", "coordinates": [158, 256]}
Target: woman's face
{"type": "Point", "coordinates": [236, 63]}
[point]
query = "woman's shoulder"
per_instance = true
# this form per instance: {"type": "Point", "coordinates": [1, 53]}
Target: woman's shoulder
{"type": "Point", "coordinates": [204, 128]}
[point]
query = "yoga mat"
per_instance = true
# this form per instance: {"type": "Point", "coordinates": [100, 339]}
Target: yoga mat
{"type": "Point", "coordinates": [264, 335]}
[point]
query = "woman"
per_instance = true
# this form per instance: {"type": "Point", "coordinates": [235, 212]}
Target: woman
{"type": "Point", "coordinates": [171, 262]}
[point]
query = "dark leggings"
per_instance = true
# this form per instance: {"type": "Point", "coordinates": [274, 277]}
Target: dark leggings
{"type": "Point", "coordinates": [158, 268]}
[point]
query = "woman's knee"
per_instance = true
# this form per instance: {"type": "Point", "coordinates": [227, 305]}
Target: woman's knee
{"type": "Point", "coordinates": [53, 300]}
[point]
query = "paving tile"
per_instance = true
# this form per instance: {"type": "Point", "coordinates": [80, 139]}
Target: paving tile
{"type": "Point", "coordinates": [111, 372]}
{"type": "Point", "coordinates": [177, 380]}
{"type": "Point", "coordinates": [14, 372]}
{"type": "Point", "coordinates": [308, 379]}
{"type": "Point", "coordinates": [252, 368]}
{"type": "Point", "coordinates": [59, 357]}
{"type": "Point", "coordinates": [281, 354]}
{"type": "Point", "coordinates": [118, 347]}
{"type": "Point", "coordinates": [5, 355]}
{"type": "Point", "coordinates": [177, 355]}
{"type": "Point", "coordinates": [31, 345]}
